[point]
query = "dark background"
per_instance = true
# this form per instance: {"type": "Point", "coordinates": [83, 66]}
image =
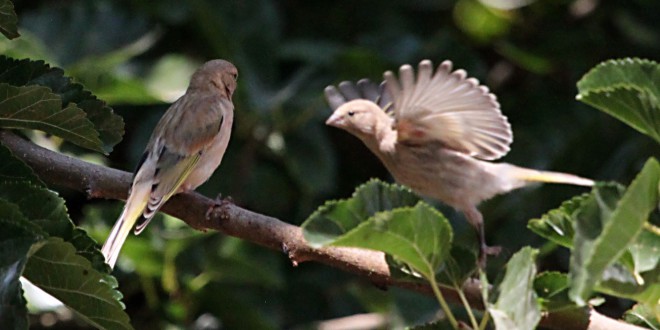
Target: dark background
{"type": "Point", "coordinates": [283, 161]}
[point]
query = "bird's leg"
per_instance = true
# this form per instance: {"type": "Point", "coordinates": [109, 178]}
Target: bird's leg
{"type": "Point", "coordinates": [477, 221]}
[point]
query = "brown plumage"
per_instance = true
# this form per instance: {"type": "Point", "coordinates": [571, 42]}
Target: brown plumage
{"type": "Point", "coordinates": [433, 133]}
{"type": "Point", "coordinates": [185, 148]}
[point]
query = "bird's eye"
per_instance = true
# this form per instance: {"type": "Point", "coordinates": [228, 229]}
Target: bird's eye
{"type": "Point", "coordinates": [351, 113]}
{"type": "Point", "coordinates": [235, 75]}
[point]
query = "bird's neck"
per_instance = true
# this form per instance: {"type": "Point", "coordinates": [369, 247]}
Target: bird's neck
{"type": "Point", "coordinates": [385, 135]}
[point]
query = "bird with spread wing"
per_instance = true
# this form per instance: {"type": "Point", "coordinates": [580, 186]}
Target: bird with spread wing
{"type": "Point", "coordinates": [436, 134]}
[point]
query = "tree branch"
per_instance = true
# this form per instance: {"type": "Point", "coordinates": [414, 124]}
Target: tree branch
{"type": "Point", "coordinates": [103, 182]}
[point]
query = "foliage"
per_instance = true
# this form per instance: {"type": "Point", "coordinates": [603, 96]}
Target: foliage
{"type": "Point", "coordinates": [626, 89]}
{"type": "Point", "coordinates": [517, 306]}
{"type": "Point", "coordinates": [283, 162]}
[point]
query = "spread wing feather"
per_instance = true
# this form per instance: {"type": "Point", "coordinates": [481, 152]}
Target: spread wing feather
{"type": "Point", "coordinates": [364, 89]}
{"type": "Point", "coordinates": [449, 107]}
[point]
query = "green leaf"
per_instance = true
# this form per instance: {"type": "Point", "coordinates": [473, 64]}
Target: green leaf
{"type": "Point", "coordinates": [35, 107]}
{"type": "Point", "coordinates": [632, 275]}
{"type": "Point", "coordinates": [552, 290]}
{"type": "Point", "coordinates": [25, 72]}
{"type": "Point", "coordinates": [14, 169]}
{"type": "Point", "coordinates": [58, 270]}
{"type": "Point", "coordinates": [480, 22]}
{"type": "Point", "coordinates": [336, 218]}
{"type": "Point", "coordinates": [16, 238]}
{"type": "Point", "coordinates": [419, 236]}
{"type": "Point", "coordinates": [606, 225]}
{"type": "Point", "coordinates": [644, 251]}
{"type": "Point", "coordinates": [626, 89]}
{"type": "Point", "coordinates": [636, 276]}
{"type": "Point", "coordinates": [8, 19]}
{"type": "Point", "coordinates": [644, 315]}
{"type": "Point", "coordinates": [516, 306]}
{"type": "Point", "coordinates": [557, 224]}
{"type": "Point", "coordinates": [618, 281]}
{"type": "Point", "coordinates": [51, 215]}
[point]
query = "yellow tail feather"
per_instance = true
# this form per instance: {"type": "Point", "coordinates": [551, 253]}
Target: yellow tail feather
{"type": "Point", "coordinates": [134, 207]}
{"type": "Point", "coordinates": [531, 175]}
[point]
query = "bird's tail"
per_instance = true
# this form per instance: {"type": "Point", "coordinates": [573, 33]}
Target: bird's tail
{"type": "Point", "coordinates": [530, 175]}
{"type": "Point", "coordinates": [133, 209]}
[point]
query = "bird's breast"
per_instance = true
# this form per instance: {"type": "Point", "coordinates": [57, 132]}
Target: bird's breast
{"type": "Point", "coordinates": [211, 155]}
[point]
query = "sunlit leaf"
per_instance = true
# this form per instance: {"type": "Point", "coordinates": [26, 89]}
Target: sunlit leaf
{"type": "Point", "coordinates": [557, 224]}
{"type": "Point", "coordinates": [645, 251]}
{"type": "Point", "coordinates": [336, 218]}
{"type": "Point", "coordinates": [618, 281]}
{"type": "Point", "coordinates": [516, 307]}
{"type": "Point", "coordinates": [8, 19]}
{"type": "Point", "coordinates": [480, 22]}
{"type": "Point", "coordinates": [644, 315]}
{"type": "Point", "coordinates": [58, 270]}
{"type": "Point", "coordinates": [169, 77]}
{"type": "Point", "coordinates": [606, 225]}
{"type": "Point", "coordinates": [420, 236]}
{"type": "Point", "coordinates": [626, 89]}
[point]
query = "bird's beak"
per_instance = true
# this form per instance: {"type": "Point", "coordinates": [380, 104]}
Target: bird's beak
{"type": "Point", "coordinates": [336, 120]}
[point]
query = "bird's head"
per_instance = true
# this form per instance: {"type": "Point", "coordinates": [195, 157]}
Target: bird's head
{"type": "Point", "coordinates": [359, 117]}
{"type": "Point", "coordinates": [216, 75]}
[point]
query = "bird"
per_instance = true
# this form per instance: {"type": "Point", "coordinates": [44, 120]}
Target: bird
{"type": "Point", "coordinates": [437, 134]}
{"type": "Point", "coordinates": [185, 148]}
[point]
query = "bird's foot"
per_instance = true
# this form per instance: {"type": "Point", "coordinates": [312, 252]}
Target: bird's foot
{"type": "Point", "coordinates": [222, 204]}
{"type": "Point", "coordinates": [491, 250]}
{"type": "Point", "coordinates": [486, 251]}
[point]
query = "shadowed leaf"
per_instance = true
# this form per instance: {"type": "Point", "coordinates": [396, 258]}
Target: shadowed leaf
{"type": "Point", "coordinates": [109, 126]}
{"type": "Point", "coordinates": [35, 107]}
{"type": "Point", "coordinates": [13, 169]}
{"type": "Point", "coordinates": [8, 19]}
{"type": "Point", "coordinates": [16, 238]}
{"type": "Point", "coordinates": [58, 270]}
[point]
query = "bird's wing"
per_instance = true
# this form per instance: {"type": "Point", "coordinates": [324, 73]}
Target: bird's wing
{"type": "Point", "coordinates": [449, 107]}
{"type": "Point", "coordinates": [179, 148]}
{"type": "Point", "coordinates": [364, 89]}
{"type": "Point", "coordinates": [175, 147]}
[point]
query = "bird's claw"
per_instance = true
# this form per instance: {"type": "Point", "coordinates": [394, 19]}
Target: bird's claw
{"type": "Point", "coordinates": [222, 204]}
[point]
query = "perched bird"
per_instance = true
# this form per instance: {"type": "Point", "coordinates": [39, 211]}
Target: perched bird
{"type": "Point", "coordinates": [185, 148]}
{"type": "Point", "coordinates": [434, 133]}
